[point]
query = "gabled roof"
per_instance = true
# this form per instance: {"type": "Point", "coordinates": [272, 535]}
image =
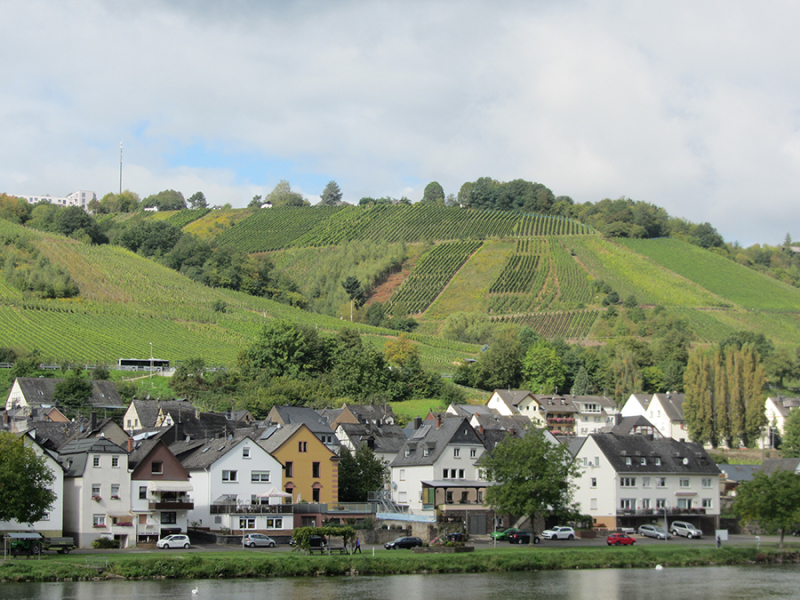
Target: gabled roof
{"type": "Point", "coordinates": [784, 405]}
{"type": "Point", "coordinates": [513, 397]}
{"type": "Point", "coordinates": [604, 401]}
{"type": "Point", "coordinates": [388, 439]}
{"type": "Point", "coordinates": [739, 473]}
{"type": "Point", "coordinates": [673, 405]}
{"type": "Point", "coordinates": [211, 451]}
{"type": "Point", "coordinates": [467, 410]}
{"type": "Point", "coordinates": [75, 454]}
{"type": "Point", "coordinates": [780, 464]}
{"type": "Point", "coordinates": [371, 413]}
{"type": "Point", "coordinates": [292, 415]}
{"type": "Point", "coordinates": [557, 404]}
{"type": "Point", "coordinates": [40, 390]}
{"type": "Point", "coordinates": [627, 425]}
{"type": "Point", "coordinates": [428, 442]}
{"type": "Point", "coordinates": [675, 457]}
{"type": "Point", "coordinates": [494, 421]}
{"type": "Point", "coordinates": [53, 435]}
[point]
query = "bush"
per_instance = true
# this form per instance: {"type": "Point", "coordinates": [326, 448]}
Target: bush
{"type": "Point", "coordinates": [105, 542]}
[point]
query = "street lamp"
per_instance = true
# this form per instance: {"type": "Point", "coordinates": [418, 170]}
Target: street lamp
{"type": "Point", "coordinates": [666, 526]}
{"type": "Point", "coordinates": [151, 360]}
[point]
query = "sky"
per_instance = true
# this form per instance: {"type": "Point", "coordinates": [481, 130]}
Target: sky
{"type": "Point", "coordinates": [689, 105]}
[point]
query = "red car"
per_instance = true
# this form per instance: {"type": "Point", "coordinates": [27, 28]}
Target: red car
{"type": "Point", "coordinates": [620, 539]}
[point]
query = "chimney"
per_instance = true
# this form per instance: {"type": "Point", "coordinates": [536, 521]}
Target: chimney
{"type": "Point", "coordinates": [511, 431]}
{"type": "Point", "coordinates": [480, 428]}
{"type": "Point", "coordinates": [93, 420]}
{"type": "Point", "coordinates": [438, 421]}
{"type": "Point", "coordinates": [130, 445]}
{"type": "Point", "coordinates": [417, 423]}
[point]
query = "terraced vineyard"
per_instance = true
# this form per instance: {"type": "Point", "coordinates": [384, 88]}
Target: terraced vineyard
{"type": "Point", "coordinates": [182, 218]}
{"type": "Point", "coordinates": [566, 325]}
{"type": "Point", "coordinates": [431, 275]}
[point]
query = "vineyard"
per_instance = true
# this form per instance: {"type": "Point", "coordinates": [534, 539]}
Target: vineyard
{"type": "Point", "coordinates": [432, 273]}
{"type": "Point", "coordinates": [566, 325]}
{"type": "Point", "coordinates": [181, 218]}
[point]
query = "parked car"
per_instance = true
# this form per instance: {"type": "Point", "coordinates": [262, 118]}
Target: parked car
{"type": "Point", "coordinates": [653, 531]}
{"type": "Point", "coordinates": [685, 529]}
{"type": "Point", "coordinates": [403, 542]}
{"type": "Point", "coordinates": [502, 534]}
{"type": "Point", "coordinates": [176, 540]}
{"type": "Point", "coordinates": [251, 540]}
{"type": "Point", "coordinates": [559, 533]}
{"type": "Point", "coordinates": [522, 537]}
{"type": "Point", "coordinates": [620, 539]}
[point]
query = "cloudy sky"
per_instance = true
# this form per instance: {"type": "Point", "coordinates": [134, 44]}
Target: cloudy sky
{"type": "Point", "coordinates": [694, 106]}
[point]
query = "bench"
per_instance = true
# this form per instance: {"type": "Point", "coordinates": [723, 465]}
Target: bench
{"type": "Point", "coordinates": [327, 549]}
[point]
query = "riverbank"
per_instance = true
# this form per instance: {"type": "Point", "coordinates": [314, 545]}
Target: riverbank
{"type": "Point", "coordinates": [245, 564]}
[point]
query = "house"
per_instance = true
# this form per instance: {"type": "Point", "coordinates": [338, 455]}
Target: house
{"type": "Point", "coordinates": [237, 486]}
{"type": "Point", "coordinates": [735, 475]}
{"type": "Point", "coordinates": [638, 425]}
{"type": "Point", "coordinates": [52, 523]}
{"type": "Point", "coordinates": [664, 411]}
{"type": "Point", "coordinates": [771, 465]}
{"type": "Point", "coordinates": [376, 414]}
{"type": "Point", "coordinates": [594, 413]}
{"type": "Point", "coordinates": [776, 409]}
{"type": "Point", "coordinates": [185, 419]}
{"type": "Point", "coordinates": [292, 415]}
{"type": "Point", "coordinates": [310, 467]}
{"type": "Point", "coordinates": [513, 424]}
{"type": "Point", "coordinates": [437, 468]}
{"type": "Point", "coordinates": [28, 393]}
{"type": "Point", "coordinates": [507, 402]}
{"type": "Point", "coordinates": [53, 435]}
{"type": "Point", "coordinates": [160, 489]}
{"type": "Point", "coordinates": [385, 440]}
{"type": "Point", "coordinates": [630, 480]}
{"type": "Point", "coordinates": [560, 414]}
{"type": "Point", "coordinates": [97, 492]}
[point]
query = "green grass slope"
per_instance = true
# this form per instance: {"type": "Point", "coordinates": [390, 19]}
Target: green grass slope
{"type": "Point", "coordinates": [127, 302]}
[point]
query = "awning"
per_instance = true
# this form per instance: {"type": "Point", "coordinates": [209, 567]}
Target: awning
{"type": "Point", "coordinates": [225, 500]}
{"type": "Point", "coordinates": [685, 494]}
{"type": "Point", "coordinates": [273, 492]}
{"type": "Point", "coordinates": [120, 515]}
{"type": "Point", "coordinates": [169, 486]}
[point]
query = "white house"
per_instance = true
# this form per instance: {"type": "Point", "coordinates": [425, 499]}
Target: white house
{"type": "Point", "coordinates": [630, 480]}
{"type": "Point", "coordinates": [237, 485]}
{"type": "Point", "coordinates": [664, 411]}
{"type": "Point", "coordinates": [506, 402]}
{"type": "Point", "coordinates": [776, 409]}
{"type": "Point", "coordinates": [97, 492]}
{"type": "Point", "coordinates": [593, 414]}
{"type": "Point", "coordinates": [80, 198]}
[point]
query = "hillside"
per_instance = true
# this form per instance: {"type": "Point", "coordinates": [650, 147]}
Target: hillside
{"type": "Point", "coordinates": [127, 302]}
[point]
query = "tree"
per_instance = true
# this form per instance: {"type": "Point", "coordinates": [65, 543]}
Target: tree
{"type": "Point", "coordinates": [282, 195]}
{"type": "Point", "coordinates": [25, 480]}
{"type": "Point", "coordinates": [354, 290]}
{"type": "Point", "coordinates": [543, 369]}
{"type": "Point", "coordinates": [531, 475]}
{"type": "Point", "coordinates": [75, 222]}
{"type": "Point", "coordinates": [433, 194]}
{"type": "Point", "coordinates": [399, 351]}
{"type": "Point", "coordinates": [286, 349]}
{"type": "Point", "coordinates": [73, 391]}
{"type": "Point", "coordinates": [782, 364]}
{"type": "Point", "coordinates": [790, 444]}
{"type": "Point", "coordinates": [198, 200]}
{"type": "Point", "coordinates": [360, 473]}
{"type": "Point", "coordinates": [331, 195]}
{"type": "Point", "coordinates": [583, 383]}
{"type": "Point", "coordinates": [771, 500]}
{"type": "Point", "coordinates": [255, 202]}
{"type": "Point", "coordinates": [165, 200]}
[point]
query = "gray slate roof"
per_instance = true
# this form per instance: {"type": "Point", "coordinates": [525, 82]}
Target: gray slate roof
{"type": "Point", "coordinates": [75, 454]}
{"type": "Point", "coordinates": [739, 473]}
{"type": "Point", "coordinates": [676, 457]}
{"type": "Point", "coordinates": [208, 453]}
{"type": "Point", "coordinates": [456, 430]}
{"type": "Point", "coordinates": [389, 439]}
{"type": "Point", "coordinates": [627, 424]}
{"type": "Point", "coordinates": [40, 390]}
{"type": "Point", "coordinates": [673, 405]}
{"type": "Point", "coordinates": [291, 415]}
{"type": "Point", "coordinates": [784, 405]}
{"type": "Point", "coordinates": [780, 464]}
{"type": "Point", "coordinates": [513, 397]}
{"type": "Point", "coordinates": [561, 404]}
{"type": "Point", "coordinates": [517, 423]}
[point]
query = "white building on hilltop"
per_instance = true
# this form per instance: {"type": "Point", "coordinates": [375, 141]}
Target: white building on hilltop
{"type": "Point", "coordinates": [80, 198]}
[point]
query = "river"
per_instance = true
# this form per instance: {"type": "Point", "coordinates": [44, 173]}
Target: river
{"type": "Point", "coordinates": [706, 583]}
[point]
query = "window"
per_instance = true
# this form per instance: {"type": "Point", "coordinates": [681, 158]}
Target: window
{"type": "Point", "coordinates": [115, 491]}
{"type": "Point", "coordinates": [246, 452]}
{"type": "Point", "coordinates": [706, 482]}
{"type": "Point", "coordinates": [473, 452]}
{"type": "Point", "coordinates": [315, 495]}
{"type": "Point", "coordinates": [217, 520]}
{"type": "Point", "coordinates": [45, 517]}
{"type": "Point", "coordinates": [643, 461]}
{"type": "Point", "coordinates": [169, 518]}
{"type": "Point", "coordinates": [247, 523]}
{"type": "Point", "coordinates": [95, 489]}
{"type": "Point", "coordinates": [157, 468]}
{"type": "Point", "coordinates": [627, 460]}
{"type": "Point", "coordinates": [585, 461]}
{"type": "Point", "coordinates": [684, 503]}
{"type": "Point", "coordinates": [445, 473]}
{"type": "Point", "coordinates": [627, 481]}
{"type": "Point", "coordinates": [230, 476]}
{"type": "Point", "coordinates": [661, 482]}
{"type": "Point", "coordinates": [627, 503]}
{"type": "Point", "coordinates": [289, 469]}
{"type": "Point", "coordinates": [274, 523]}
{"type": "Point", "coordinates": [594, 482]}
{"type": "Point", "coordinates": [95, 461]}
{"type": "Point", "coordinates": [427, 451]}
{"type": "Point", "coordinates": [302, 446]}
{"type": "Point", "coordinates": [593, 505]}
{"type": "Point", "coordinates": [461, 473]}
{"type": "Point", "coordinates": [129, 424]}
{"type": "Point", "coordinates": [596, 461]}
{"type": "Point", "coordinates": [115, 461]}
{"type": "Point", "coordinates": [449, 498]}
{"type": "Point", "coordinates": [657, 461]}
{"type": "Point", "coordinates": [259, 476]}
{"type": "Point", "coordinates": [98, 520]}
{"type": "Point", "coordinates": [403, 474]}
{"type": "Point", "coordinates": [661, 503]}
{"type": "Point", "coordinates": [315, 469]}
{"type": "Point", "coordinates": [707, 503]}
{"type": "Point", "coordinates": [407, 453]}
{"type": "Point", "coordinates": [645, 482]}
{"type": "Point", "coordinates": [456, 452]}
{"type": "Point", "coordinates": [684, 483]}
{"type": "Point", "coordinates": [452, 473]}
{"type": "Point", "coordinates": [142, 492]}
{"type": "Point", "coordinates": [646, 503]}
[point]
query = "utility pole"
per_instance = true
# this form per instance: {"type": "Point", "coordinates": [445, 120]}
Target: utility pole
{"type": "Point", "coordinates": [120, 168]}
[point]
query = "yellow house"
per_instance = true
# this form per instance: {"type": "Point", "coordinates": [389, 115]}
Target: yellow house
{"type": "Point", "coordinates": [310, 469]}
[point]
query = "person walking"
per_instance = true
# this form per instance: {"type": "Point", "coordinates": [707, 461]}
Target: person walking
{"type": "Point", "coordinates": [358, 546]}
{"type": "Point", "coordinates": [719, 541]}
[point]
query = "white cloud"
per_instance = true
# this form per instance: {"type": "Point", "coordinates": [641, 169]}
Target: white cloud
{"type": "Point", "coordinates": [689, 105]}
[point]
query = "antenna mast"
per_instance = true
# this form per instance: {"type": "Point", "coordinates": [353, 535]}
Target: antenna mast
{"type": "Point", "coordinates": [120, 168]}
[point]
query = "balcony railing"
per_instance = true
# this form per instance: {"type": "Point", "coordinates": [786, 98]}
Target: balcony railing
{"type": "Point", "coordinates": [185, 504]}
{"type": "Point", "coordinates": [258, 509]}
{"type": "Point", "coordinates": [653, 512]}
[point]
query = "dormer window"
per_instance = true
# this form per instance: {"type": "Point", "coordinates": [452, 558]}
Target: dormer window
{"type": "Point", "coordinates": [643, 461]}
{"type": "Point", "coordinates": [408, 452]}
{"type": "Point", "coordinates": [627, 460]}
{"type": "Point", "coordinates": [657, 461]}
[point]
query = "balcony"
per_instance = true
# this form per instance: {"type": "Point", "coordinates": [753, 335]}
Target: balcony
{"type": "Point", "coordinates": [184, 504]}
{"type": "Point", "coordinates": [654, 512]}
{"type": "Point", "coordinates": [253, 509]}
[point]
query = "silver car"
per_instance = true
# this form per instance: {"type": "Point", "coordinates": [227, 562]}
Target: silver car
{"type": "Point", "coordinates": [251, 540]}
{"type": "Point", "coordinates": [559, 533]}
{"type": "Point", "coordinates": [176, 540]}
{"type": "Point", "coordinates": [653, 531]}
{"type": "Point", "coordinates": [685, 529]}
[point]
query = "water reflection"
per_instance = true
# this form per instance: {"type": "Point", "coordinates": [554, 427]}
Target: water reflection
{"type": "Point", "coordinates": [722, 583]}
